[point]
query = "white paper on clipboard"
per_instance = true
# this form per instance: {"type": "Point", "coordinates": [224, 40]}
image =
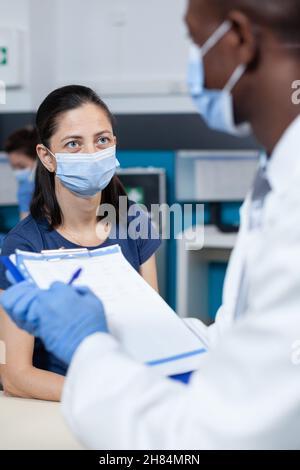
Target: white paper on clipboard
{"type": "Point", "coordinates": [148, 329]}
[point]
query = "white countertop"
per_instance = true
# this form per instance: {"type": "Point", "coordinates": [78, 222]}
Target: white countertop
{"type": "Point", "coordinates": [33, 425]}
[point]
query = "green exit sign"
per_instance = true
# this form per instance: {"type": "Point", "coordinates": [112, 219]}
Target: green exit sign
{"type": "Point", "coordinates": [3, 55]}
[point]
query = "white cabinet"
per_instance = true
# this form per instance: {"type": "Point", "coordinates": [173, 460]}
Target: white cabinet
{"type": "Point", "coordinates": [192, 270]}
{"type": "Point", "coordinates": [215, 176]}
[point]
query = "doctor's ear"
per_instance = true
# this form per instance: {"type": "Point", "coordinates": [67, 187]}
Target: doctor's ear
{"type": "Point", "coordinates": [243, 37]}
{"type": "Point", "coordinates": [46, 158]}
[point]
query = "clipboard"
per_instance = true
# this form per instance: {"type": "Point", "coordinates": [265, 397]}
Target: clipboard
{"type": "Point", "coordinates": [148, 329]}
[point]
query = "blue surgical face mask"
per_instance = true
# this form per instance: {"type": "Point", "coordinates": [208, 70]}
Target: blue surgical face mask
{"type": "Point", "coordinates": [26, 182]}
{"type": "Point", "coordinates": [86, 174]}
{"type": "Point", "coordinates": [215, 106]}
{"type": "Point", "coordinates": [25, 175]}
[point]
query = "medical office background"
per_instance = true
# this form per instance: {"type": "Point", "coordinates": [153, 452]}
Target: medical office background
{"type": "Point", "coordinates": [134, 54]}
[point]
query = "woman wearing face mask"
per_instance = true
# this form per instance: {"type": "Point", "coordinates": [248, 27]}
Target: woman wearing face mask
{"type": "Point", "coordinates": [21, 150]}
{"type": "Point", "coordinates": [75, 176]}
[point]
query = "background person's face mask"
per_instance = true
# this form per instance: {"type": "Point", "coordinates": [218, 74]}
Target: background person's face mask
{"type": "Point", "coordinates": [86, 174]}
{"type": "Point", "coordinates": [25, 175]}
{"type": "Point", "coordinates": [215, 106]}
{"type": "Point", "coordinates": [26, 182]}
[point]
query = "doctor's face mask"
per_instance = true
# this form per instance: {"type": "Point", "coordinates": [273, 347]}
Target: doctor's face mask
{"type": "Point", "coordinates": [215, 106]}
{"type": "Point", "coordinates": [86, 174]}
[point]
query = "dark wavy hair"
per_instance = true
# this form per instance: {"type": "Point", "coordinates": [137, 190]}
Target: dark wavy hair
{"type": "Point", "coordinates": [23, 140]}
{"type": "Point", "coordinates": [44, 202]}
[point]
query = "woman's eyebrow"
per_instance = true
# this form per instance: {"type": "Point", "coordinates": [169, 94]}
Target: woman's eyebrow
{"type": "Point", "coordinates": [103, 132]}
{"type": "Point", "coordinates": [71, 137]}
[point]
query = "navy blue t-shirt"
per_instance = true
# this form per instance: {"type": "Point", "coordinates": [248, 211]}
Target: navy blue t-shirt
{"type": "Point", "coordinates": [35, 236]}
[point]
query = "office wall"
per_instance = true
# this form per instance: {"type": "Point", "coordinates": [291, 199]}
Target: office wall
{"type": "Point", "coordinates": [133, 52]}
{"type": "Point", "coordinates": [44, 47]}
{"type": "Point", "coordinates": [16, 14]}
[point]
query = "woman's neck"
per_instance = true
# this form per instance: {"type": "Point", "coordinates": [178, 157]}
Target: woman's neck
{"type": "Point", "coordinates": [79, 214]}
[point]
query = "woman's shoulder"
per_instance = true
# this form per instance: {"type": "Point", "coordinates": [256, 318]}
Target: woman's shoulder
{"type": "Point", "coordinates": [138, 218]}
{"type": "Point", "coordinates": [25, 235]}
{"type": "Point", "coordinates": [24, 228]}
{"type": "Point", "coordinates": [136, 210]}
{"type": "Point", "coordinates": [143, 231]}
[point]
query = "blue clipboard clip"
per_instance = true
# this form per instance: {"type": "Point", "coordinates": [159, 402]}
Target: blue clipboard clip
{"type": "Point", "coordinates": [18, 277]}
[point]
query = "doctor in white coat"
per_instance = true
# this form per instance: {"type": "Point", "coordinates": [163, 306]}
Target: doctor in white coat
{"type": "Point", "coordinates": [247, 393]}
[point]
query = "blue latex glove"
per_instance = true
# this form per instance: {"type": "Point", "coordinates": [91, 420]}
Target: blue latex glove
{"type": "Point", "coordinates": [62, 316]}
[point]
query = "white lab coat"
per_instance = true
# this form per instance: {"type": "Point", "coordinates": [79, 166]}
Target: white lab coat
{"type": "Point", "coordinates": [247, 393]}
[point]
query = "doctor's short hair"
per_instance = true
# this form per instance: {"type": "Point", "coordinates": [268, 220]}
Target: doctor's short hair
{"type": "Point", "coordinates": [44, 202]}
{"type": "Point", "coordinates": [282, 16]}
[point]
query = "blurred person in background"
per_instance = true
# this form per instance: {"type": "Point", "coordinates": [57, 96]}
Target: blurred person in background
{"type": "Point", "coordinates": [21, 150]}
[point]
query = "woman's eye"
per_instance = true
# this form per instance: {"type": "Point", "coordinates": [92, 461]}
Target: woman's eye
{"type": "Point", "coordinates": [103, 140]}
{"type": "Point", "coordinates": [72, 145]}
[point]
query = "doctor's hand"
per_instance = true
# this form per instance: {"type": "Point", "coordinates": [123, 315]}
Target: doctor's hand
{"type": "Point", "coordinates": [62, 316]}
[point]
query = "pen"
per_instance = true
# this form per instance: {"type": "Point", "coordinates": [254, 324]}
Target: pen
{"type": "Point", "coordinates": [75, 276]}
{"type": "Point", "coordinates": [12, 269]}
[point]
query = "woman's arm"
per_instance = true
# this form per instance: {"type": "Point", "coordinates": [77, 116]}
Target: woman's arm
{"type": "Point", "coordinates": [149, 272]}
{"type": "Point", "coordinates": [19, 377]}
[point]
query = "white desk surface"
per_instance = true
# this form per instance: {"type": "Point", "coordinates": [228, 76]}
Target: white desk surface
{"type": "Point", "coordinates": [33, 425]}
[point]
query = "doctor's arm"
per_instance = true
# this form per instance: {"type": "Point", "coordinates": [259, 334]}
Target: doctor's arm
{"type": "Point", "coordinates": [246, 395]}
